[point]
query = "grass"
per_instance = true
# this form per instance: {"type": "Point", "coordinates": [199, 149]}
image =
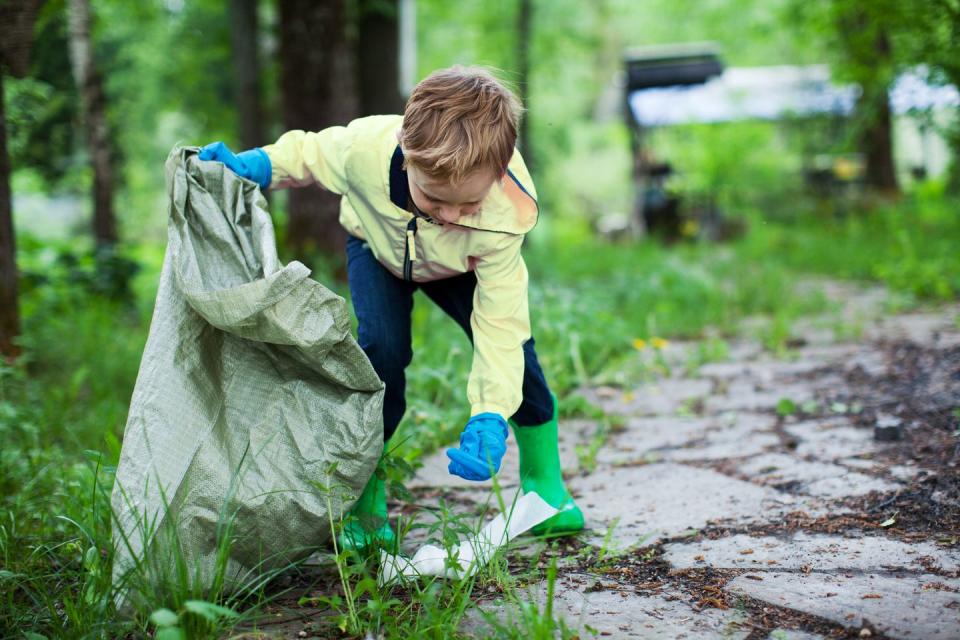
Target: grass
{"type": "Point", "coordinates": [63, 405]}
{"type": "Point", "coordinates": [910, 246]}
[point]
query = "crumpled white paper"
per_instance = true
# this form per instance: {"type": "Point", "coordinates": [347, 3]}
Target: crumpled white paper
{"type": "Point", "coordinates": [429, 560]}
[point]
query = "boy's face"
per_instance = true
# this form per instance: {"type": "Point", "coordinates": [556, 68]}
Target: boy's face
{"type": "Point", "coordinates": [445, 201]}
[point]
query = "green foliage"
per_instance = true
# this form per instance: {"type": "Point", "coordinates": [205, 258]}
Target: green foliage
{"type": "Point", "coordinates": [910, 246]}
{"type": "Point", "coordinates": [104, 272]}
{"type": "Point", "coordinates": [42, 109]}
{"type": "Point", "coordinates": [870, 42]}
{"type": "Point", "coordinates": [54, 528]}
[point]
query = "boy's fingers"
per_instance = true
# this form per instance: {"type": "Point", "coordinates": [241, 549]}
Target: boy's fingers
{"type": "Point", "coordinates": [211, 151]}
{"type": "Point", "coordinates": [467, 466]}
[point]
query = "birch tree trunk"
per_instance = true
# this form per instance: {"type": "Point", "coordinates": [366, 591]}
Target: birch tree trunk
{"type": "Point", "coordinates": [93, 107]}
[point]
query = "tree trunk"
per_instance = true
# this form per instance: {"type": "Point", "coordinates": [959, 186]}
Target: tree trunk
{"type": "Point", "coordinates": [863, 33]}
{"type": "Point", "coordinates": [524, 23]}
{"type": "Point", "coordinates": [246, 68]}
{"type": "Point", "coordinates": [16, 40]}
{"type": "Point", "coordinates": [876, 139]}
{"type": "Point", "coordinates": [318, 91]}
{"type": "Point", "coordinates": [93, 104]}
{"type": "Point", "coordinates": [378, 57]}
{"type": "Point", "coordinates": [9, 312]}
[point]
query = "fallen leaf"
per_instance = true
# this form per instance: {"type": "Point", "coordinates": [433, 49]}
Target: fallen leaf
{"type": "Point", "coordinates": [889, 522]}
{"type": "Point", "coordinates": [872, 596]}
{"type": "Point", "coordinates": [716, 603]}
{"type": "Point", "coordinates": [746, 552]}
{"type": "Point", "coordinates": [698, 558]}
{"type": "Point", "coordinates": [751, 577]}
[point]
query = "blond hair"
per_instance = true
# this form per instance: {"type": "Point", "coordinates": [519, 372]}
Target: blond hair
{"type": "Point", "coordinates": [459, 120]}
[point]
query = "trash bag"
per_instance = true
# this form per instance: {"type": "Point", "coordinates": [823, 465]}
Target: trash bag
{"type": "Point", "coordinates": [256, 419]}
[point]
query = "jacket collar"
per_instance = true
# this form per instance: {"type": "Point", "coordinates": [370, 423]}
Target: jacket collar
{"type": "Point", "coordinates": [508, 208]}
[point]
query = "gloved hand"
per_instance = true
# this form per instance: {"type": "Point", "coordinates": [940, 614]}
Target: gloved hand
{"type": "Point", "coordinates": [252, 165]}
{"type": "Point", "coordinates": [482, 445]}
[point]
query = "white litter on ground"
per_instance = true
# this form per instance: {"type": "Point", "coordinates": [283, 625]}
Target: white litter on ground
{"type": "Point", "coordinates": [473, 553]}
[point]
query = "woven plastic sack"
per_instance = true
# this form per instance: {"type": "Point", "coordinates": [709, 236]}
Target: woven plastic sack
{"type": "Point", "coordinates": [255, 417]}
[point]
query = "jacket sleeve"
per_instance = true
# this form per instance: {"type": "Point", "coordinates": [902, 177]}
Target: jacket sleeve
{"type": "Point", "coordinates": [300, 158]}
{"type": "Point", "coordinates": [501, 324]}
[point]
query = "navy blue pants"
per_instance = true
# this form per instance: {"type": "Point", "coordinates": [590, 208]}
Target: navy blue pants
{"type": "Point", "coordinates": [383, 304]}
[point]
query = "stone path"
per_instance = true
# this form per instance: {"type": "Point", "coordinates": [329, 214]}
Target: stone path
{"type": "Point", "coordinates": [711, 515]}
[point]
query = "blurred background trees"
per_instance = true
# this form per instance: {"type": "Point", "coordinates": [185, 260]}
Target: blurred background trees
{"type": "Point", "coordinates": [113, 86]}
{"type": "Point", "coordinates": [93, 107]}
{"type": "Point", "coordinates": [16, 29]}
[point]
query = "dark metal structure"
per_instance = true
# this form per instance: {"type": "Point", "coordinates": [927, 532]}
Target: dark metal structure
{"type": "Point", "coordinates": [649, 68]}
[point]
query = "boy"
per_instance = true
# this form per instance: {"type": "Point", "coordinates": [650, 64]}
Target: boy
{"type": "Point", "coordinates": [437, 200]}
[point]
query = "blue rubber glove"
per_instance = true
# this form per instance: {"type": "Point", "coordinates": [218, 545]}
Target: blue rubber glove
{"type": "Point", "coordinates": [482, 445]}
{"type": "Point", "coordinates": [252, 165]}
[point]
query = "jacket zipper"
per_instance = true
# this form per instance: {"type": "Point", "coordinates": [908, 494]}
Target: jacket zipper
{"type": "Point", "coordinates": [410, 253]}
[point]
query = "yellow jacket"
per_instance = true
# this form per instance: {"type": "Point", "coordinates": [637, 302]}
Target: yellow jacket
{"type": "Point", "coordinates": [363, 163]}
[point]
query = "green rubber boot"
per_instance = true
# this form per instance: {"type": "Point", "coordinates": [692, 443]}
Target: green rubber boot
{"type": "Point", "coordinates": [540, 471]}
{"type": "Point", "coordinates": [367, 526]}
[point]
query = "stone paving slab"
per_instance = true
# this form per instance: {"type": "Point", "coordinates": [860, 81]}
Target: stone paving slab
{"type": "Point", "coordinates": [833, 354]}
{"type": "Point", "coordinates": [745, 350]}
{"type": "Point", "coordinates": [646, 439]}
{"type": "Point", "coordinates": [903, 472]}
{"type": "Point", "coordinates": [917, 327]}
{"type": "Point", "coordinates": [871, 362]}
{"type": "Point", "coordinates": [821, 479]}
{"type": "Point", "coordinates": [622, 613]}
{"type": "Point", "coordinates": [749, 395]}
{"type": "Point", "coordinates": [656, 398]}
{"type": "Point", "coordinates": [721, 445]}
{"type": "Point", "coordinates": [792, 634]}
{"type": "Point", "coordinates": [765, 371]}
{"type": "Point", "coordinates": [641, 436]}
{"type": "Point", "coordinates": [909, 606]}
{"type": "Point", "coordinates": [816, 552]}
{"type": "Point", "coordinates": [625, 614]}
{"type": "Point", "coordinates": [831, 439]}
{"type": "Point", "coordinates": [660, 500]}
